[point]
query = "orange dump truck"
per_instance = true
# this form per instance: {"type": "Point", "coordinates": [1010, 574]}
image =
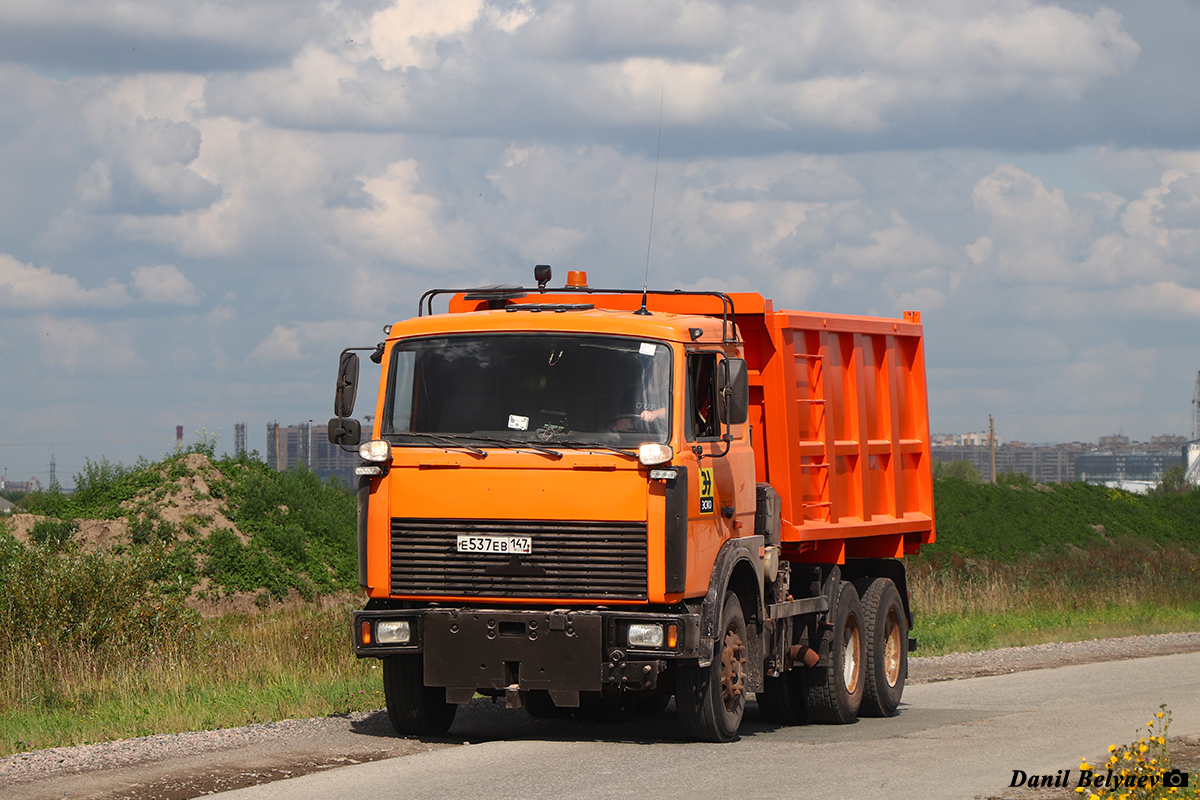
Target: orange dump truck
{"type": "Point", "coordinates": [578, 497]}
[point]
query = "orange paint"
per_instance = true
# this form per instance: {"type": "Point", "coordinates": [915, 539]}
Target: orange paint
{"type": "Point", "coordinates": [838, 425]}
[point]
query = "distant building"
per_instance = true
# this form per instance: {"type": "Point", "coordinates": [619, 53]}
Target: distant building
{"type": "Point", "coordinates": [967, 439]}
{"type": "Point", "coordinates": [1167, 440]}
{"type": "Point", "coordinates": [1115, 461]}
{"type": "Point", "coordinates": [1122, 467]}
{"type": "Point", "coordinates": [309, 445]}
{"type": "Point", "coordinates": [1044, 464]}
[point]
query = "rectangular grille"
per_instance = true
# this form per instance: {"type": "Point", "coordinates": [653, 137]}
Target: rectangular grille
{"type": "Point", "coordinates": [580, 560]}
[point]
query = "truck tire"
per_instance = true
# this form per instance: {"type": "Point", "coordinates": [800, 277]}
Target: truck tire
{"type": "Point", "coordinates": [782, 699]}
{"type": "Point", "coordinates": [886, 633]}
{"type": "Point", "coordinates": [835, 692]}
{"type": "Point", "coordinates": [414, 708]}
{"type": "Point", "coordinates": [711, 700]}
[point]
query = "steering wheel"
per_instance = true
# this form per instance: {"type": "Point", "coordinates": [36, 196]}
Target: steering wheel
{"type": "Point", "coordinates": [626, 422]}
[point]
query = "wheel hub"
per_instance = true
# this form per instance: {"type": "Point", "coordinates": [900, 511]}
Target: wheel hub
{"type": "Point", "coordinates": [892, 651]}
{"type": "Point", "coordinates": [850, 656]}
{"type": "Point", "coordinates": [733, 668]}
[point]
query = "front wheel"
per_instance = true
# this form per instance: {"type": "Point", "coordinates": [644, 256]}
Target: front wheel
{"type": "Point", "coordinates": [414, 708]}
{"type": "Point", "coordinates": [835, 692]}
{"type": "Point", "coordinates": [711, 700]}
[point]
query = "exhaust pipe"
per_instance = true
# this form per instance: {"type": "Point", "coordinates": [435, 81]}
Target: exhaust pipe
{"type": "Point", "coordinates": [805, 654]}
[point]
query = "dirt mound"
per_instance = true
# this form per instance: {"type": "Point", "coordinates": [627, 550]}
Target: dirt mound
{"type": "Point", "coordinates": [180, 509]}
{"type": "Point", "coordinates": [91, 533]}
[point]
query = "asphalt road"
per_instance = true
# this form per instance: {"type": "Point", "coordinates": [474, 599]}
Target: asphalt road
{"type": "Point", "coordinates": [957, 739]}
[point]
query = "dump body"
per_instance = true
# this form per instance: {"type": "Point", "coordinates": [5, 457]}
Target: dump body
{"type": "Point", "coordinates": [841, 405]}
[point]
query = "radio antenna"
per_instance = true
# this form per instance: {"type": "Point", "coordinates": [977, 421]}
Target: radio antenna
{"type": "Point", "coordinates": [653, 197]}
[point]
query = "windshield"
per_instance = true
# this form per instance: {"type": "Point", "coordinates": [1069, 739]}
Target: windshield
{"type": "Point", "coordinates": [529, 388]}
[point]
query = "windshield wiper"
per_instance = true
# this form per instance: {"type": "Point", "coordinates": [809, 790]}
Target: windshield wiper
{"type": "Point", "coordinates": [450, 441]}
{"type": "Point", "coordinates": [515, 445]}
{"type": "Point", "coordinates": [596, 446]}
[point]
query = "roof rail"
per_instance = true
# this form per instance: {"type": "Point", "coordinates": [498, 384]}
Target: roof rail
{"type": "Point", "coordinates": [497, 297]}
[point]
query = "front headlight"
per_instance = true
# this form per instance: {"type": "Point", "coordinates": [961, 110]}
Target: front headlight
{"type": "Point", "coordinates": [643, 634]}
{"type": "Point", "coordinates": [375, 450]}
{"type": "Point", "coordinates": [650, 454]}
{"type": "Point", "coordinates": [393, 631]}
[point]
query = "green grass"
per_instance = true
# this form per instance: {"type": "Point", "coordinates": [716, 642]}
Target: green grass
{"type": "Point", "coordinates": [1112, 588]}
{"type": "Point", "coordinates": [1008, 522]}
{"type": "Point", "coordinates": [235, 671]}
{"type": "Point", "coordinates": [941, 633]}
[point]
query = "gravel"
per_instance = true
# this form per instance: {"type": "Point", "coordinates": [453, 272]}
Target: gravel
{"type": "Point", "coordinates": [172, 766]}
{"type": "Point", "coordinates": [931, 669]}
{"type": "Point", "coordinates": [166, 745]}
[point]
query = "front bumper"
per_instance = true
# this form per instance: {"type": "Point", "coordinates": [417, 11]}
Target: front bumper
{"type": "Point", "coordinates": [561, 651]}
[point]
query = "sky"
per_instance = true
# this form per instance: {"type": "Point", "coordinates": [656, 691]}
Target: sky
{"type": "Point", "coordinates": [202, 203]}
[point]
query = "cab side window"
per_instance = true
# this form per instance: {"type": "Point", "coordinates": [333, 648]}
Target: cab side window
{"type": "Point", "coordinates": [702, 396]}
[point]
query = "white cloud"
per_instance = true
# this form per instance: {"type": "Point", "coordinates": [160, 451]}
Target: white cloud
{"type": "Point", "coordinates": [304, 340]}
{"type": "Point", "coordinates": [24, 286]}
{"type": "Point", "coordinates": [863, 67]}
{"type": "Point", "coordinates": [83, 346]}
{"type": "Point", "coordinates": [403, 224]}
{"type": "Point", "coordinates": [407, 34]}
{"type": "Point", "coordinates": [896, 247]}
{"type": "Point", "coordinates": [164, 283]}
{"type": "Point", "coordinates": [924, 299]}
{"type": "Point", "coordinates": [1040, 236]}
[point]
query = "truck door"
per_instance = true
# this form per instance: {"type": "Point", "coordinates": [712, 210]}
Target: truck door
{"type": "Point", "coordinates": [723, 490]}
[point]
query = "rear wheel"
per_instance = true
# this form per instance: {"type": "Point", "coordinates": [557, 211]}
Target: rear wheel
{"type": "Point", "coordinates": [414, 708]}
{"type": "Point", "coordinates": [711, 700]}
{"type": "Point", "coordinates": [886, 633]}
{"type": "Point", "coordinates": [835, 692]}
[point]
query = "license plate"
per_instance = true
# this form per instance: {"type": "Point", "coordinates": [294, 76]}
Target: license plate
{"type": "Point", "coordinates": [494, 544]}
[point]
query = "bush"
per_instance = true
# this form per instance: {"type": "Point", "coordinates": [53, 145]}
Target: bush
{"type": "Point", "coordinates": [961, 470]}
{"type": "Point", "coordinates": [53, 533]}
{"type": "Point", "coordinates": [302, 533]}
{"type": "Point", "coordinates": [62, 600]}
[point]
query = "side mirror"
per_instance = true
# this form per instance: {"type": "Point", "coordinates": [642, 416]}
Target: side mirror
{"type": "Point", "coordinates": [733, 391]}
{"type": "Point", "coordinates": [347, 385]}
{"type": "Point", "coordinates": [345, 430]}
